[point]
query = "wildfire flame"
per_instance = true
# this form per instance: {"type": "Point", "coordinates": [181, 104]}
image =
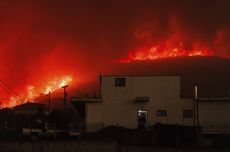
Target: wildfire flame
{"type": "Point", "coordinates": [158, 52]}
{"type": "Point", "coordinates": [32, 92]}
{"type": "Point", "coordinates": [57, 83]}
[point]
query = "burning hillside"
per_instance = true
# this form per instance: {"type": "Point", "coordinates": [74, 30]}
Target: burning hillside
{"type": "Point", "coordinates": [177, 42]}
{"type": "Point", "coordinates": [159, 52]}
{"type": "Point", "coordinates": [32, 92]}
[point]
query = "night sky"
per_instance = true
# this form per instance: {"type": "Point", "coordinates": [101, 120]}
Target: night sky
{"type": "Point", "coordinates": [43, 39]}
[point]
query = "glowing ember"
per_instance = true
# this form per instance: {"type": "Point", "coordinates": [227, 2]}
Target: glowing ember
{"type": "Point", "coordinates": [159, 52]}
{"type": "Point", "coordinates": [32, 93]}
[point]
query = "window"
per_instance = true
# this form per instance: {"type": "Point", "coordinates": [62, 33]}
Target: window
{"type": "Point", "coordinates": [120, 82]}
{"type": "Point", "coordinates": [161, 113]}
{"type": "Point", "coordinates": [188, 113]}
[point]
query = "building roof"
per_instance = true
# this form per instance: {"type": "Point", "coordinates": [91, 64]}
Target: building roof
{"type": "Point", "coordinates": [29, 106]}
{"type": "Point", "coordinates": [88, 100]}
{"type": "Point", "coordinates": [176, 75]}
{"type": "Point", "coordinates": [225, 99]}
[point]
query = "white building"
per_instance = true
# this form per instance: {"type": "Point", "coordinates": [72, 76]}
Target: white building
{"type": "Point", "coordinates": [140, 101]}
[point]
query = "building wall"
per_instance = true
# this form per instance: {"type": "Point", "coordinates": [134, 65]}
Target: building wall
{"type": "Point", "coordinates": [214, 117]}
{"type": "Point", "coordinates": [119, 107]}
{"type": "Point", "coordinates": [214, 112]}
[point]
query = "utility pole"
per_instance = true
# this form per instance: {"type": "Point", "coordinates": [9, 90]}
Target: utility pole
{"type": "Point", "coordinates": [49, 101]}
{"type": "Point", "coordinates": [65, 96]}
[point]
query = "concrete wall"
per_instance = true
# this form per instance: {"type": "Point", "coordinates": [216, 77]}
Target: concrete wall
{"type": "Point", "coordinates": [119, 107]}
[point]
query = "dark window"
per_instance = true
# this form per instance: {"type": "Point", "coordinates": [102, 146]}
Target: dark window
{"type": "Point", "coordinates": [162, 113]}
{"type": "Point", "coordinates": [187, 113]}
{"type": "Point", "coordinates": [120, 82]}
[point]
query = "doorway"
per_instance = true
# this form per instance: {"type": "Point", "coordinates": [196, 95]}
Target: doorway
{"type": "Point", "coordinates": [142, 119]}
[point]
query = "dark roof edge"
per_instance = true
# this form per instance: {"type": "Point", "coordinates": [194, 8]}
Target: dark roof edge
{"type": "Point", "coordinates": [129, 75]}
{"type": "Point", "coordinates": [226, 99]}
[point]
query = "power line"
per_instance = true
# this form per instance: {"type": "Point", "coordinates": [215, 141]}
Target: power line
{"type": "Point", "coordinates": [8, 87]}
{"type": "Point", "coordinates": [9, 90]}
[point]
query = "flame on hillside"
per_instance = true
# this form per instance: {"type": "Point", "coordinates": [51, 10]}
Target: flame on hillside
{"type": "Point", "coordinates": [51, 86]}
{"type": "Point", "coordinates": [57, 83]}
{"type": "Point", "coordinates": [157, 52]}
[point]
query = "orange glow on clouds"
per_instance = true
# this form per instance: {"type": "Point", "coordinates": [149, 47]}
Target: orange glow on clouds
{"type": "Point", "coordinates": [157, 52]}
{"type": "Point", "coordinates": [51, 86]}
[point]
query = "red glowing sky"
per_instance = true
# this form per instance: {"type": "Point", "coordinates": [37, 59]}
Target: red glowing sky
{"type": "Point", "coordinates": [41, 39]}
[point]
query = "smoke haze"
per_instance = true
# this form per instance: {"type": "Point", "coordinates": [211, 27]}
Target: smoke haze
{"type": "Point", "coordinates": [41, 39]}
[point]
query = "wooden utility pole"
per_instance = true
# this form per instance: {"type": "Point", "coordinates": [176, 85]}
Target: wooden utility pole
{"type": "Point", "coordinates": [49, 101]}
{"type": "Point", "coordinates": [65, 96]}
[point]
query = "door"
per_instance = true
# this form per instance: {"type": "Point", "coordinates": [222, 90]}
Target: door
{"type": "Point", "coordinates": [142, 119]}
